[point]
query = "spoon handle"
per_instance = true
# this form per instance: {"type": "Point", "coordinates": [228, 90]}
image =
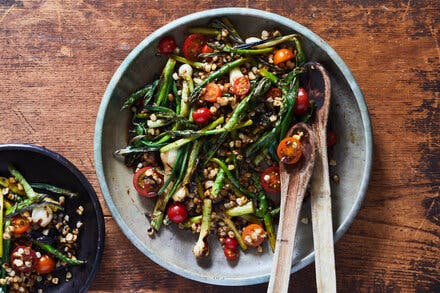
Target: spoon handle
{"type": "Point", "coordinates": [293, 189]}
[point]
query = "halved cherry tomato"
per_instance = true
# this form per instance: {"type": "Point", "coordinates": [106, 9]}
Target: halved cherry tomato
{"type": "Point", "coordinates": [20, 224]}
{"type": "Point", "coordinates": [231, 243]}
{"type": "Point", "coordinates": [193, 45]}
{"type": "Point", "coordinates": [274, 93]}
{"type": "Point", "coordinates": [202, 115]}
{"type": "Point", "coordinates": [241, 86]}
{"type": "Point", "coordinates": [45, 265]}
{"type": "Point", "coordinates": [331, 138]}
{"type": "Point", "coordinates": [207, 49]}
{"type": "Point", "coordinates": [167, 45]}
{"type": "Point", "coordinates": [23, 259]}
{"type": "Point", "coordinates": [147, 181]}
{"type": "Point", "coordinates": [302, 103]}
{"type": "Point", "coordinates": [282, 55]}
{"type": "Point", "coordinates": [231, 253]}
{"type": "Point", "coordinates": [253, 235]}
{"type": "Point", "coordinates": [290, 150]}
{"type": "Point", "coordinates": [177, 212]}
{"type": "Point", "coordinates": [213, 91]}
{"type": "Point", "coordinates": [270, 179]}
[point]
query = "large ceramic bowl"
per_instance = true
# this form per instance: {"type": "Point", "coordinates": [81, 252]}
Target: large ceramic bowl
{"type": "Point", "coordinates": [39, 164]}
{"type": "Point", "coordinates": [172, 248]}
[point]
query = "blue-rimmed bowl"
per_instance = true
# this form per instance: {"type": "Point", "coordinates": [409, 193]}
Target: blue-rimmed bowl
{"type": "Point", "coordinates": [38, 164]}
{"type": "Point", "coordinates": [172, 248]}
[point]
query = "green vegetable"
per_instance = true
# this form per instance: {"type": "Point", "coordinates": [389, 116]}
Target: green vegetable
{"type": "Point", "coordinates": [183, 141]}
{"type": "Point", "coordinates": [54, 189]}
{"type": "Point", "coordinates": [145, 92]}
{"type": "Point", "coordinates": [198, 65]}
{"type": "Point", "coordinates": [204, 31]}
{"type": "Point", "coordinates": [52, 250]}
{"type": "Point", "coordinates": [262, 87]}
{"type": "Point", "coordinates": [218, 184]}
{"type": "Point", "coordinates": [224, 69]}
{"type": "Point", "coordinates": [239, 211]}
{"type": "Point", "coordinates": [201, 248]}
{"type": "Point", "coordinates": [237, 234]}
{"type": "Point", "coordinates": [166, 81]}
{"type": "Point", "coordinates": [228, 49]}
{"type": "Point", "coordinates": [30, 193]}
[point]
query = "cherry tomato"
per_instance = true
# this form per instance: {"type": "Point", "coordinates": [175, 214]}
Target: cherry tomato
{"type": "Point", "coordinates": [253, 235]}
{"type": "Point", "coordinates": [23, 259]}
{"type": "Point", "coordinates": [302, 103]}
{"type": "Point", "coordinates": [270, 179]}
{"type": "Point", "coordinates": [290, 150]}
{"type": "Point", "coordinates": [207, 49]}
{"type": "Point", "coordinates": [20, 224]}
{"type": "Point", "coordinates": [231, 253]}
{"type": "Point", "coordinates": [241, 86]}
{"type": "Point", "coordinates": [231, 243]}
{"type": "Point", "coordinates": [177, 212]}
{"type": "Point", "coordinates": [147, 181]}
{"type": "Point", "coordinates": [213, 91]}
{"type": "Point", "coordinates": [282, 55]}
{"type": "Point", "coordinates": [202, 115]}
{"type": "Point", "coordinates": [274, 93]}
{"type": "Point", "coordinates": [167, 45]}
{"type": "Point", "coordinates": [193, 45]}
{"type": "Point", "coordinates": [331, 138]}
{"type": "Point", "coordinates": [45, 265]}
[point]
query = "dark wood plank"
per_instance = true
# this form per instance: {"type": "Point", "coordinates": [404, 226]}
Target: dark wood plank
{"type": "Point", "coordinates": [56, 58]}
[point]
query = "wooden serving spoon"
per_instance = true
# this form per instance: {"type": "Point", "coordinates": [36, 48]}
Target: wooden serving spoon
{"type": "Point", "coordinates": [317, 84]}
{"type": "Point", "coordinates": [294, 181]}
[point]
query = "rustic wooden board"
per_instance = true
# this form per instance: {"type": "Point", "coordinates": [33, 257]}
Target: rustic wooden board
{"type": "Point", "coordinates": [56, 58]}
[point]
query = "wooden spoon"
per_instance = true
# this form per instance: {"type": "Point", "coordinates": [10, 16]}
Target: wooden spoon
{"type": "Point", "coordinates": [294, 181]}
{"type": "Point", "coordinates": [317, 85]}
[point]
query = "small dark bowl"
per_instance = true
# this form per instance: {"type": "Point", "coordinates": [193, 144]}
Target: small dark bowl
{"type": "Point", "coordinates": [38, 164]}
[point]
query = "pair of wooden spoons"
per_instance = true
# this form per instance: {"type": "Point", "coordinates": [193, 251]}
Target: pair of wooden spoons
{"type": "Point", "coordinates": [294, 181]}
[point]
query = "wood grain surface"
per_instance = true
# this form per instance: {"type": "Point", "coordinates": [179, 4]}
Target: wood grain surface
{"type": "Point", "coordinates": [56, 58]}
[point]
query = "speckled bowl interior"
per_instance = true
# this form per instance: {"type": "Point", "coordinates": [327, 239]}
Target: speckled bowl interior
{"type": "Point", "coordinates": [172, 248]}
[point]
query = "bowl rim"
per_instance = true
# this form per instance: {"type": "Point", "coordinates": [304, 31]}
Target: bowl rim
{"type": "Point", "coordinates": [215, 13]}
{"type": "Point", "coordinates": [87, 186]}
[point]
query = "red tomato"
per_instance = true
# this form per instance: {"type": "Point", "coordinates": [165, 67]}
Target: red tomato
{"type": "Point", "coordinates": [167, 45]}
{"type": "Point", "coordinates": [282, 55]}
{"type": "Point", "coordinates": [45, 265]}
{"type": "Point", "coordinates": [193, 45]}
{"type": "Point", "coordinates": [231, 243]}
{"type": "Point", "coordinates": [241, 86]}
{"type": "Point", "coordinates": [23, 259]}
{"type": "Point", "coordinates": [331, 138]}
{"type": "Point", "coordinates": [177, 212]}
{"type": "Point", "coordinates": [230, 253]}
{"type": "Point", "coordinates": [274, 93]}
{"type": "Point", "coordinates": [202, 115]}
{"type": "Point", "coordinates": [270, 179]}
{"type": "Point", "coordinates": [213, 91]}
{"type": "Point", "coordinates": [207, 49]}
{"type": "Point", "coordinates": [290, 150]}
{"type": "Point", "coordinates": [302, 103]}
{"type": "Point", "coordinates": [147, 181]}
{"type": "Point", "coordinates": [253, 235]}
{"type": "Point", "coordinates": [20, 224]}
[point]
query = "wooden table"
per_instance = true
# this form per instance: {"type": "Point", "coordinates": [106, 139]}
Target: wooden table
{"type": "Point", "coordinates": [56, 58]}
